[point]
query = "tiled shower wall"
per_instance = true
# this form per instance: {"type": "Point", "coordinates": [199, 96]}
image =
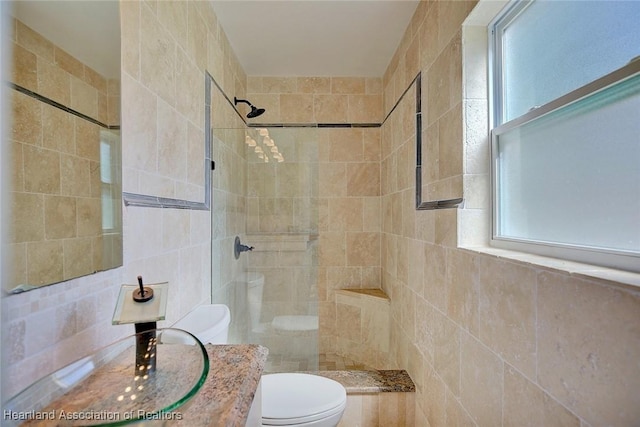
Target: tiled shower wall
{"type": "Point", "coordinates": [348, 177]}
{"type": "Point", "coordinates": [490, 341]}
{"type": "Point", "coordinates": [49, 327]}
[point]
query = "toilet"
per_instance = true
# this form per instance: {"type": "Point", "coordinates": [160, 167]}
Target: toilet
{"type": "Point", "coordinates": [296, 399]}
{"type": "Point", "coordinates": [283, 323]}
{"type": "Point", "coordinates": [209, 323]}
{"type": "Point", "coordinates": [288, 399]}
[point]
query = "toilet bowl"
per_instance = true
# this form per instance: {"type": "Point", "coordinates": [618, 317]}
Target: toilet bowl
{"type": "Point", "coordinates": [288, 399]}
{"type": "Point", "coordinates": [283, 323]}
{"type": "Point", "coordinates": [301, 400]}
{"type": "Point", "coordinates": [209, 323]}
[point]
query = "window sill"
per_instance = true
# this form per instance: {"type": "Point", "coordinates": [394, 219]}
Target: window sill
{"type": "Point", "coordinates": [621, 278]}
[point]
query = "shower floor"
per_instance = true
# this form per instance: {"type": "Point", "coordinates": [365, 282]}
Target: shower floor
{"type": "Point", "coordinates": [326, 362]}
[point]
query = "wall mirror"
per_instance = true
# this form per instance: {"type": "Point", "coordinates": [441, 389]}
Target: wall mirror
{"type": "Point", "coordinates": [65, 135]}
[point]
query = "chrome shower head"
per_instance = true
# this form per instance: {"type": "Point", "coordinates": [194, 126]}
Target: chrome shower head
{"type": "Point", "coordinates": [255, 112]}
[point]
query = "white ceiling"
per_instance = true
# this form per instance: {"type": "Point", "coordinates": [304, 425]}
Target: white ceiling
{"type": "Point", "coordinates": [314, 37]}
{"type": "Point", "coordinates": [270, 38]}
{"type": "Point", "coordinates": [88, 30]}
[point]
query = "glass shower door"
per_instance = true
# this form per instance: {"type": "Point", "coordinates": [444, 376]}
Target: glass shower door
{"type": "Point", "coordinates": [265, 191]}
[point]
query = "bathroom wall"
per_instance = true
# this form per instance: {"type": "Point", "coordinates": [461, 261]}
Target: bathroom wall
{"type": "Point", "coordinates": [166, 47]}
{"type": "Point", "coordinates": [348, 177]}
{"type": "Point", "coordinates": [489, 340]}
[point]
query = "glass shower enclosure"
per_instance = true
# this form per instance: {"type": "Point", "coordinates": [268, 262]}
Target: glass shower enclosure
{"type": "Point", "coordinates": [265, 192]}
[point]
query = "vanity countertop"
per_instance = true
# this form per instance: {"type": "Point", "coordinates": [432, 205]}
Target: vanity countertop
{"type": "Point", "coordinates": [223, 400]}
{"type": "Point", "coordinates": [226, 396]}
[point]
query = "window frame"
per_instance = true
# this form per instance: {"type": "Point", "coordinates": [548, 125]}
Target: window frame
{"type": "Point", "coordinates": [618, 259]}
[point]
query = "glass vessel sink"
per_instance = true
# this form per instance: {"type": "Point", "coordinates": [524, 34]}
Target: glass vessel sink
{"type": "Point", "coordinates": [141, 378]}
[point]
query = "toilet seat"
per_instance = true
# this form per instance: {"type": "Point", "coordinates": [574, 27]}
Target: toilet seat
{"type": "Point", "coordinates": [294, 399]}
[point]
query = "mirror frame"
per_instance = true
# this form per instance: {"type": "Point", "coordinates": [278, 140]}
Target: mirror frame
{"type": "Point", "coordinates": [144, 200]}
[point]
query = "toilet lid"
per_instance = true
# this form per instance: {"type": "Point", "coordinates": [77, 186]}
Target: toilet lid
{"type": "Point", "coordinates": [295, 323]}
{"type": "Point", "coordinates": [290, 398]}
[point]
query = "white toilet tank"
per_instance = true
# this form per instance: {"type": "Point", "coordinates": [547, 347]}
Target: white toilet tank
{"type": "Point", "coordinates": [209, 323]}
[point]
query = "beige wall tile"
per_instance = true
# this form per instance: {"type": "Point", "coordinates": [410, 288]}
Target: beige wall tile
{"type": "Point", "coordinates": [507, 296]}
{"type": "Point", "coordinates": [58, 130]}
{"type": "Point", "coordinates": [24, 68]}
{"type": "Point", "coordinates": [372, 144]}
{"type": "Point", "coordinates": [455, 414]}
{"type": "Point", "coordinates": [371, 409]}
{"type": "Point", "coordinates": [332, 249]}
{"type": "Point", "coordinates": [425, 330]}
{"type": "Point", "coordinates": [296, 108]}
{"type": "Point", "coordinates": [27, 228]}
{"type": "Point", "coordinates": [525, 404]}
{"type": "Point", "coordinates": [34, 42]}
{"type": "Point", "coordinates": [189, 93]}
{"type": "Point", "coordinates": [349, 322]}
{"type": "Point", "coordinates": [175, 18]}
{"type": "Point", "coordinates": [450, 143]}
{"type": "Point", "coordinates": [363, 179]}
{"type": "Point", "coordinates": [172, 127]}
{"type": "Point", "coordinates": [371, 214]}
{"type": "Point", "coordinates": [130, 37]}
{"type": "Point", "coordinates": [365, 109]}
{"type": "Point", "coordinates": [373, 86]}
{"type": "Point", "coordinates": [330, 108]}
{"type": "Point", "coordinates": [75, 176]}
{"type": "Point", "coordinates": [60, 217]}
{"type": "Point", "coordinates": [68, 63]}
{"type": "Point", "coordinates": [45, 262]}
{"type": "Point", "coordinates": [314, 84]}
{"type": "Point", "coordinates": [88, 216]}
{"type": "Point", "coordinates": [96, 81]}
{"type": "Point", "coordinates": [78, 257]}
{"type": "Point", "coordinates": [394, 409]}
{"type": "Point", "coordinates": [581, 360]}
{"type": "Point", "coordinates": [279, 84]}
{"type": "Point", "coordinates": [333, 180]}
{"type": "Point", "coordinates": [346, 145]}
{"type": "Point", "coordinates": [157, 57]}
{"type": "Point", "coordinates": [463, 290]}
{"type": "Point", "coordinates": [53, 82]}
{"type": "Point", "coordinates": [348, 85]}
{"type": "Point", "coordinates": [139, 124]}
{"type": "Point", "coordinates": [363, 249]}
{"type": "Point", "coordinates": [353, 412]}
{"type": "Point", "coordinates": [346, 214]}
{"type": "Point", "coordinates": [481, 377]}
{"type": "Point", "coordinates": [27, 119]}
{"type": "Point", "coordinates": [17, 171]}
{"type": "Point", "coordinates": [446, 354]}
{"type": "Point", "coordinates": [41, 170]}
{"type": "Point", "coordinates": [433, 399]}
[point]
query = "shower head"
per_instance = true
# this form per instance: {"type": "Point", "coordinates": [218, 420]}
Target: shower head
{"type": "Point", "coordinates": [255, 112]}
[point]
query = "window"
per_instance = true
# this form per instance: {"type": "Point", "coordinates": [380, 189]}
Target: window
{"type": "Point", "coordinates": [565, 119]}
{"type": "Point", "coordinates": [109, 173]}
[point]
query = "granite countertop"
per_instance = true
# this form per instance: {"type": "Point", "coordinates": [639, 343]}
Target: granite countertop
{"type": "Point", "coordinates": [226, 396]}
{"type": "Point", "coordinates": [224, 399]}
{"type": "Point", "coordinates": [381, 381]}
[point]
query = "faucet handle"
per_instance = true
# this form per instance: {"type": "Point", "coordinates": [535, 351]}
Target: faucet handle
{"type": "Point", "coordinates": [238, 248]}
